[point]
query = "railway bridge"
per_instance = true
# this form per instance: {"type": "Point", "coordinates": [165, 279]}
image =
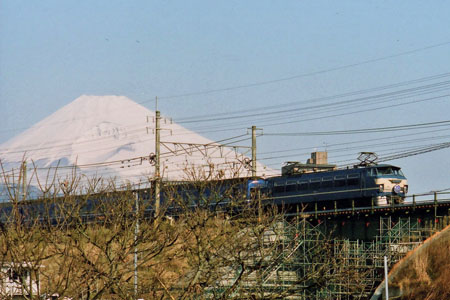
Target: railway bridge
{"type": "Point", "coordinates": [358, 239]}
{"type": "Point", "coordinates": [428, 212]}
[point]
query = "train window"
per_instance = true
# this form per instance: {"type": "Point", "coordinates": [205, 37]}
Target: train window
{"type": "Point", "coordinates": [353, 179]}
{"type": "Point", "coordinates": [389, 171]}
{"type": "Point", "coordinates": [340, 181]}
{"type": "Point", "coordinates": [302, 185]}
{"type": "Point", "coordinates": [291, 186]}
{"type": "Point", "coordinates": [385, 171]}
{"type": "Point", "coordinates": [279, 187]}
{"type": "Point", "coordinates": [327, 182]}
{"type": "Point", "coordinates": [372, 172]}
{"type": "Point", "coordinates": [315, 183]}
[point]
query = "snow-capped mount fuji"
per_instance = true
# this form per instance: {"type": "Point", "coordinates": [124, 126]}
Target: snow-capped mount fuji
{"type": "Point", "coordinates": [113, 137]}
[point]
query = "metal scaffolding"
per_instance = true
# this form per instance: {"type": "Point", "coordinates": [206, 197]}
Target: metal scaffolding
{"type": "Point", "coordinates": [308, 264]}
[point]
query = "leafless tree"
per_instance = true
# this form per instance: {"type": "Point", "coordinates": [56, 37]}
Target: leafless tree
{"type": "Point", "coordinates": [86, 238]}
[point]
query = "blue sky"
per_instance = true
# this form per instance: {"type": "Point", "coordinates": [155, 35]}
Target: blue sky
{"type": "Point", "coordinates": [220, 57]}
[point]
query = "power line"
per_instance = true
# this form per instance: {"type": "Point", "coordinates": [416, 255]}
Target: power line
{"type": "Point", "coordinates": [192, 149]}
{"type": "Point", "coordinates": [227, 115]}
{"type": "Point", "coordinates": [367, 130]}
{"type": "Point", "coordinates": [413, 151]}
{"type": "Point", "coordinates": [434, 131]}
{"type": "Point", "coordinates": [336, 106]}
{"type": "Point", "coordinates": [372, 147]}
{"type": "Point", "coordinates": [284, 122]}
{"type": "Point", "coordinates": [56, 144]}
{"type": "Point", "coordinates": [261, 83]}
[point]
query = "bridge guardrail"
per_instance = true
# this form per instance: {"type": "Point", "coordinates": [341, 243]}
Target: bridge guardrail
{"type": "Point", "coordinates": [434, 199]}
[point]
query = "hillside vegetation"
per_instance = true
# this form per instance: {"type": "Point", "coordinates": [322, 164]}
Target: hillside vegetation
{"type": "Point", "coordinates": [425, 273]}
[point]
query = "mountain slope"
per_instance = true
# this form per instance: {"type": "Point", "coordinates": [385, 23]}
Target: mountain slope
{"type": "Point", "coordinates": [113, 137]}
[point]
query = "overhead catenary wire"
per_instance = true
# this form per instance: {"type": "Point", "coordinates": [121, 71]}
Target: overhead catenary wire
{"type": "Point", "coordinates": [319, 99]}
{"type": "Point", "coordinates": [229, 140]}
{"type": "Point", "coordinates": [351, 155]}
{"type": "Point", "coordinates": [388, 154]}
{"type": "Point", "coordinates": [358, 146]}
{"type": "Point", "coordinates": [402, 153]}
{"type": "Point", "coordinates": [440, 86]}
{"type": "Point", "coordinates": [261, 83]}
{"type": "Point", "coordinates": [139, 128]}
{"type": "Point", "coordinates": [366, 130]}
{"type": "Point", "coordinates": [299, 120]}
{"type": "Point", "coordinates": [359, 141]}
{"type": "Point", "coordinates": [149, 175]}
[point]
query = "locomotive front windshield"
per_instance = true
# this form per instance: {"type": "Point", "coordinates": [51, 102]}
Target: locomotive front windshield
{"type": "Point", "coordinates": [384, 171]}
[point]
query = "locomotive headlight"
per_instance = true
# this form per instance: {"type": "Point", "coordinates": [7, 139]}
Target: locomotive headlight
{"type": "Point", "coordinates": [381, 187]}
{"type": "Point", "coordinates": [405, 189]}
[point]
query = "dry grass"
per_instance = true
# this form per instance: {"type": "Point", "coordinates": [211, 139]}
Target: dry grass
{"type": "Point", "coordinates": [426, 273]}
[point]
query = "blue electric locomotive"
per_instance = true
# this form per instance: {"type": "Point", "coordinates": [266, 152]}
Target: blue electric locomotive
{"type": "Point", "coordinates": [314, 185]}
{"type": "Point", "coordinates": [376, 185]}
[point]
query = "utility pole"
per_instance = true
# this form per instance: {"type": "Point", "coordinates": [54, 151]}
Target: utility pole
{"type": "Point", "coordinates": [157, 166]}
{"type": "Point", "coordinates": [24, 177]}
{"type": "Point", "coordinates": [253, 151]}
{"type": "Point", "coordinates": [136, 232]}
{"type": "Point", "coordinates": [386, 278]}
{"type": "Point", "coordinates": [254, 171]}
{"type": "Point", "coordinates": [254, 129]}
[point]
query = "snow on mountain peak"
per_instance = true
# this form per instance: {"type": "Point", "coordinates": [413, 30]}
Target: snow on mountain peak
{"type": "Point", "coordinates": [112, 136]}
